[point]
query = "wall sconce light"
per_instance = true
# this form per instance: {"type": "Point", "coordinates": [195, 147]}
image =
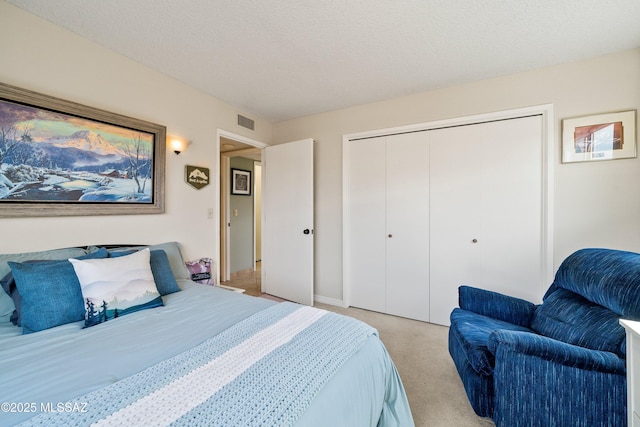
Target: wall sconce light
{"type": "Point", "coordinates": [177, 145]}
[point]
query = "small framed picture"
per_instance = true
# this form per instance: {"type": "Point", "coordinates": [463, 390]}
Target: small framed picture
{"type": "Point", "coordinates": [240, 182]}
{"type": "Point", "coordinates": [607, 136]}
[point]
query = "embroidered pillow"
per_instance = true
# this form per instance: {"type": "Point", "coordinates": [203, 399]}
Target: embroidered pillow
{"type": "Point", "coordinates": [114, 287]}
{"type": "Point", "coordinates": [201, 271]}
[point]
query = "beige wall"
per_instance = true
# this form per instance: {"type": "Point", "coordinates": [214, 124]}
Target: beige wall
{"type": "Point", "coordinates": [595, 204]}
{"type": "Point", "coordinates": [38, 56]}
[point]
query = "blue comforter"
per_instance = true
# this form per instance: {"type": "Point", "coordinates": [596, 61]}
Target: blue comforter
{"type": "Point", "coordinates": [47, 370]}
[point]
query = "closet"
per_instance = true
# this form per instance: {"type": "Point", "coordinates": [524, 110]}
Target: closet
{"type": "Point", "coordinates": [389, 228]}
{"type": "Point", "coordinates": [427, 211]}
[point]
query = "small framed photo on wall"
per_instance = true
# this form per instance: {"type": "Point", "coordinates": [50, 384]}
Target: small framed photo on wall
{"type": "Point", "coordinates": [607, 136]}
{"type": "Point", "coordinates": [240, 182]}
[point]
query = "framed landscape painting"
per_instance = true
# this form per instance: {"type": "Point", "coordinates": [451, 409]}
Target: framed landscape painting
{"type": "Point", "coordinates": [61, 158]}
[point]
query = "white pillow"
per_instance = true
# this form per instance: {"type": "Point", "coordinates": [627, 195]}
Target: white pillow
{"type": "Point", "coordinates": [113, 287]}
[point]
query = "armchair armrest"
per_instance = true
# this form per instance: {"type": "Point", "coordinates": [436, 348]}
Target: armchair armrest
{"type": "Point", "coordinates": [539, 381]}
{"type": "Point", "coordinates": [504, 342]}
{"type": "Point", "coordinates": [496, 305]}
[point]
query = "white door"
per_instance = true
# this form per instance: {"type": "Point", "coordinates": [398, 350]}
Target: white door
{"type": "Point", "coordinates": [287, 207]}
{"type": "Point", "coordinates": [407, 225]}
{"type": "Point", "coordinates": [456, 197]}
{"type": "Point", "coordinates": [387, 231]}
{"type": "Point", "coordinates": [486, 211]}
{"type": "Point", "coordinates": [365, 237]}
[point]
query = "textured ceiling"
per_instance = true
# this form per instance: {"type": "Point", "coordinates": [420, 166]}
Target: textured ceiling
{"type": "Point", "coordinates": [281, 59]}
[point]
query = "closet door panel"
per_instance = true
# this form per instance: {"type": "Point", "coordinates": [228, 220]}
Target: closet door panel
{"type": "Point", "coordinates": [366, 240]}
{"type": "Point", "coordinates": [512, 207]}
{"type": "Point", "coordinates": [486, 211]}
{"type": "Point", "coordinates": [455, 226]}
{"type": "Point", "coordinates": [407, 226]}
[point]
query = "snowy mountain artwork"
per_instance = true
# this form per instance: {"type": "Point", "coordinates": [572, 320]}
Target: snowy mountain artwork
{"type": "Point", "coordinates": [50, 156]}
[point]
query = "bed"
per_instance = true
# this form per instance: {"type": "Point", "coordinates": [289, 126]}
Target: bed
{"type": "Point", "coordinates": [206, 356]}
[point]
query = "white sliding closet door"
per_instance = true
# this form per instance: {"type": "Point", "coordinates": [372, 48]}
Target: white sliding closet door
{"type": "Point", "coordinates": [387, 237]}
{"type": "Point", "coordinates": [407, 225]}
{"type": "Point", "coordinates": [366, 242]}
{"type": "Point", "coordinates": [486, 211]}
{"type": "Point", "coordinates": [428, 211]}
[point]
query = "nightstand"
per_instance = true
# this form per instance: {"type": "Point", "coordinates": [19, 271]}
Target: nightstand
{"type": "Point", "coordinates": [633, 371]}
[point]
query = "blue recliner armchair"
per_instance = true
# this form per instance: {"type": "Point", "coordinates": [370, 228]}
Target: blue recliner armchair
{"type": "Point", "coordinates": [561, 363]}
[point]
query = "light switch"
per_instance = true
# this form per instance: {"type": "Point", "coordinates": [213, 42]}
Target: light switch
{"type": "Point", "coordinates": [235, 212]}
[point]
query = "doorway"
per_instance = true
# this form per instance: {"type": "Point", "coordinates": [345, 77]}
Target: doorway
{"type": "Point", "coordinates": [287, 202]}
{"type": "Point", "coordinates": [240, 217]}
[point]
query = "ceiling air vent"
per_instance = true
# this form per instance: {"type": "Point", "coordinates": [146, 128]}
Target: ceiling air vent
{"type": "Point", "coordinates": [246, 122]}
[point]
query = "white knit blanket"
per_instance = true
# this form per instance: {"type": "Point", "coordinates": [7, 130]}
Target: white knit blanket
{"type": "Point", "coordinates": [263, 371]}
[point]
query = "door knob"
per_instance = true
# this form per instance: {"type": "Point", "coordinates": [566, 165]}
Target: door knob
{"type": "Point", "coordinates": [474, 241]}
{"type": "Point", "coordinates": [306, 231]}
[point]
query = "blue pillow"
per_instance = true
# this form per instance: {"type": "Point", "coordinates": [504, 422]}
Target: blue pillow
{"type": "Point", "coordinates": [9, 285]}
{"type": "Point", "coordinates": [7, 305]}
{"type": "Point", "coordinates": [50, 294]}
{"type": "Point", "coordinates": [161, 269]}
{"type": "Point", "coordinates": [174, 255]}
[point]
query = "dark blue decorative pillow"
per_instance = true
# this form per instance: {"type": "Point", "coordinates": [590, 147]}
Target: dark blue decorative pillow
{"type": "Point", "coordinates": [50, 294]}
{"type": "Point", "coordinates": [162, 273]}
{"type": "Point", "coordinates": [161, 269]}
{"type": "Point", "coordinates": [9, 285]}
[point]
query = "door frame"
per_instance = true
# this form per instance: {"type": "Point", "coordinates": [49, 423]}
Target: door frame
{"type": "Point", "coordinates": [257, 211]}
{"type": "Point", "coordinates": [548, 135]}
{"type": "Point", "coordinates": [222, 189]}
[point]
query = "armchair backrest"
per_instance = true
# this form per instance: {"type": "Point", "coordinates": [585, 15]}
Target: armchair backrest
{"type": "Point", "coordinates": [592, 289]}
{"type": "Point", "coordinates": [607, 277]}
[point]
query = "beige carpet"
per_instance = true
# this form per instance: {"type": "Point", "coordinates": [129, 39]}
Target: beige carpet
{"type": "Point", "coordinates": [419, 351]}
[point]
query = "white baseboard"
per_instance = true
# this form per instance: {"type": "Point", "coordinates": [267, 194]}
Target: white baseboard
{"type": "Point", "coordinates": [330, 301]}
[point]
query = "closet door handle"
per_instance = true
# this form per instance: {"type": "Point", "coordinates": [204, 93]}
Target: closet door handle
{"type": "Point", "coordinates": [390, 236]}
